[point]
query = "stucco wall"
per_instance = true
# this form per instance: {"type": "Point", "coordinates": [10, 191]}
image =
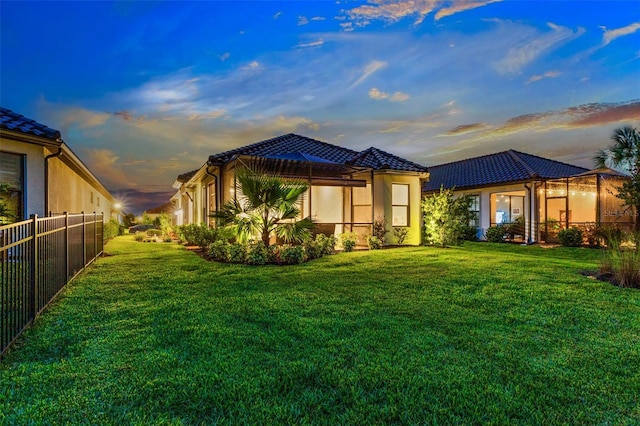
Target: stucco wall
{"type": "Point", "coordinates": [34, 174]}
{"type": "Point", "coordinates": [382, 202]}
{"type": "Point", "coordinates": [69, 192]}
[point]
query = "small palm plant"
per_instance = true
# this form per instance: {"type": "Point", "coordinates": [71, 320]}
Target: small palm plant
{"type": "Point", "coordinates": [266, 205]}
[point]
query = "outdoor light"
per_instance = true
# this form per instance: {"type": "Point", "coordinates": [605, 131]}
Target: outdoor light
{"type": "Point", "coordinates": [117, 206]}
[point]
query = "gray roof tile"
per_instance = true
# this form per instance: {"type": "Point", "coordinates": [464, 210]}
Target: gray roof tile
{"type": "Point", "coordinates": [18, 123]}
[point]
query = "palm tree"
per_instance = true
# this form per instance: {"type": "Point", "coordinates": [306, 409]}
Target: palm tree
{"type": "Point", "coordinates": [625, 154]}
{"type": "Point", "coordinates": [265, 205]}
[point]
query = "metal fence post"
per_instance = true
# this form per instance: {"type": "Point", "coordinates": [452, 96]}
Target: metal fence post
{"type": "Point", "coordinates": [33, 278]}
{"type": "Point", "coordinates": [95, 235]}
{"type": "Point", "coordinates": [84, 240]}
{"type": "Point", "coordinates": [66, 245]}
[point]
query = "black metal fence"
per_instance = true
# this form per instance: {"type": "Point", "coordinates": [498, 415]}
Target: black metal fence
{"type": "Point", "coordinates": [38, 257]}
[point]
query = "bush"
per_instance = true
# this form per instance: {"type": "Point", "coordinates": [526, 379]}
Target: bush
{"type": "Point", "coordinates": [446, 217]}
{"type": "Point", "coordinates": [379, 229]}
{"type": "Point", "coordinates": [611, 234]}
{"type": "Point", "coordinates": [348, 240]}
{"type": "Point", "coordinates": [154, 233]}
{"type": "Point", "coordinates": [469, 233]}
{"type": "Point", "coordinates": [257, 253]}
{"type": "Point", "coordinates": [496, 234]}
{"type": "Point", "coordinates": [570, 237]}
{"type": "Point", "coordinates": [139, 236]}
{"type": "Point", "coordinates": [327, 244]}
{"type": "Point", "coordinates": [111, 230]}
{"type": "Point", "coordinates": [237, 253]}
{"type": "Point", "coordinates": [313, 248]}
{"type": "Point", "coordinates": [219, 251]}
{"type": "Point", "coordinates": [400, 233]}
{"type": "Point", "coordinates": [292, 255]}
{"type": "Point", "coordinates": [374, 242]}
{"type": "Point", "coordinates": [201, 235]}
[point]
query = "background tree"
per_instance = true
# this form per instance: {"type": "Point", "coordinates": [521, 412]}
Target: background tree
{"type": "Point", "coordinates": [624, 154]}
{"type": "Point", "coordinates": [266, 205]}
{"type": "Point", "coordinates": [446, 219]}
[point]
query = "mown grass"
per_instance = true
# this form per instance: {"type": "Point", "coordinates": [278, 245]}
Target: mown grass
{"type": "Point", "coordinates": [483, 334]}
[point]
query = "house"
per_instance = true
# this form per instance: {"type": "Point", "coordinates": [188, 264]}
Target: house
{"type": "Point", "coordinates": [542, 195]}
{"type": "Point", "coordinates": [165, 209]}
{"type": "Point", "coordinates": [348, 189]}
{"type": "Point", "coordinates": [40, 174]}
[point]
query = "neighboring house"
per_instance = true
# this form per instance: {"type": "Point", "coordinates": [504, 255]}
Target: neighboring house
{"type": "Point", "coordinates": [165, 209]}
{"type": "Point", "coordinates": [348, 189]}
{"type": "Point", "coordinates": [40, 174]}
{"type": "Point", "coordinates": [542, 195]}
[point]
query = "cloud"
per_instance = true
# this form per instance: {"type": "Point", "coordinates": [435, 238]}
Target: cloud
{"type": "Point", "coordinates": [529, 47]}
{"type": "Point", "coordinates": [318, 18]}
{"type": "Point", "coordinates": [374, 93]}
{"type": "Point", "coordinates": [302, 20]}
{"type": "Point", "coordinates": [316, 43]}
{"type": "Point", "coordinates": [125, 115]}
{"type": "Point", "coordinates": [610, 35]}
{"type": "Point", "coordinates": [465, 128]}
{"type": "Point", "coordinates": [277, 15]}
{"type": "Point", "coordinates": [369, 69]}
{"type": "Point", "coordinates": [224, 56]}
{"type": "Point", "coordinates": [461, 6]}
{"type": "Point", "coordinates": [391, 11]}
{"type": "Point", "coordinates": [252, 66]}
{"type": "Point", "coordinates": [104, 164]}
{"type": "Point", "coordinates": [548, 74]}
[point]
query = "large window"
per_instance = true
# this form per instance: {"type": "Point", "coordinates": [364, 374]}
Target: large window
{"type": "Point", "coordinates": [211, 189]}
{"type": "Point", "coordinates": [361, 204]}
{"type": "Point", "coordinates": [400, 204]}
{"type": "Point", "coordinates": [11, 187]}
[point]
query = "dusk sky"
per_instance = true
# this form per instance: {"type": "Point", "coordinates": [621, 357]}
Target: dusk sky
{"type": "Point", "coordinates": [144, 91]}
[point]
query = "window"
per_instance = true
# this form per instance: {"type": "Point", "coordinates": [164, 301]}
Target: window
{"type": "Point", "coordinates": [212, 207]}
{"type": "Point", "coordinates": [475, 209]}
{"type": "Point", "coordinates": [400, 204]}
{"type": "Point", "coordinates": [11, 187]}
{"type": "Point", "coordinates": [98, 201]}
{"type": "Point", "coordinates": [91, 197]}
{"type": "Point", "coordinates": [362, 204]}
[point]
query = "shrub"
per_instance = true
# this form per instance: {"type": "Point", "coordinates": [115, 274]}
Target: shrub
{"type": "Point", "coordinates": [570, 237]}
{"type": "Point", "coordinates": [628, 271]}
{"type": "Point", "coordinates": [348, 240]}
{"type": "Point", "coordinates": [446, 217]}
{"type": "Point", "coordinates": [469, 233]}
{"type": "Point", "coordinates": [154, 233]}
{"type": "Point", "coordinates": [237, 253]}
{"type": "Point", "coordinates": [400, 233]}
{"type": "Point", "coordinates": [219, 251]}
{"type": "Point", "coordinates": [167, 239]}
{"type": "Point", "coordinates": [590, 233]}
{"type": "Point", "coordinates": [292, 255]}
{"type": "Point", "coordinates": [111, 230]}
{"type": "Point", "coordinates": [139, 236]}
{"type": "Point", "coordinates": [327, 244]}
{"type": "Point", "coordinates": [379, 229]}
{"type": "Point", "coordinates": [201, 235]}
{"type": "Point", "coordinates": [496, 234]}
{"type": "Point", "coordinates": [611, 234]}
{"type": "Point", "coordinates": [374, 242]}
{"type": "Point", "coordinates": [313, 248]}
{"type": "Point", "coordinates": [257, 253]}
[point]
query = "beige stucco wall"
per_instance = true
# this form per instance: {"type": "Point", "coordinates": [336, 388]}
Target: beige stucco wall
{"type": "Point", "coordinates": [34, 174]}
{"type": "Point", "coordinates": [382, 203]}
{"type": "Point", "coordinates": [69, 192]}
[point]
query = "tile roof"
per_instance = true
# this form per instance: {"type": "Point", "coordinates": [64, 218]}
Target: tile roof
{"type": "Point", "coordinates": [378, 159]}
{"type": "Point", "coordinates": [184, 177]}
{"type": "Point", "coordinates": [301, 148]}
{"type": "Point", "coordinates": [13, 121]}
{"type": "Point", "coordinates": [500, 168]}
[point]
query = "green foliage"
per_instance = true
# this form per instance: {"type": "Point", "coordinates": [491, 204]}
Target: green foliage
{"type": "Point", "coordinates": [624, 153]}
{"type": "Point", "coordinates": [327, 243]}
{"type": "Point", "coordinates": [446, 218]}
{"type": "Point", "coordinates": [257, 253]}
{"type": "Point", "coordinates": [268, 205]}
{"type": "Point", "coordinates": [611, 235]}
{"type": "Point", "coordinates": [154, 232]}
{"type": "Point", "coordinates": [348, 241]}
{"type": "Point", "coordinates": [379, 228]}
{"type": "Point", "coordinates": [219, 251]}
{"type": "Point", "coordinates": [201, 235]}
{"type": "Point", "coordinates": [400, 233]}
{"type": "Point", "coordinates": [163, 222]}
{"type": "Point", "coordinates": [374, 242]}
{"type": "Point", "coordinates": [313, 249]}
{"type": "Point", "coordinates": [146, 219]}
{"type": "Point", "coordinates": [112, 229]}
{"type": "Point", "coordinates": [153, 334]}
{"type": "Point", "coordinates": [496, 234]}
{"type": "Point", "coordinates": [570, 237]}
{"type": "Point", "coordinates": [8, 204]}
{"type": "Point", "coordinates": [238, 252]}
{"type": "Point", "coordinates": [292, 255]}
{"type": "Point", "coordinates": [139, 236]}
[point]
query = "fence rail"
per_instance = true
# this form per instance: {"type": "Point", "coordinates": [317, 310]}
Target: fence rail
{"type": "Point", "coordinates": [38, 257]}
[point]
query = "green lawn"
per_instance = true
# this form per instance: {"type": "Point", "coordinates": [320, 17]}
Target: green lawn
{"type": "Point", "coordinates": [482, 334]}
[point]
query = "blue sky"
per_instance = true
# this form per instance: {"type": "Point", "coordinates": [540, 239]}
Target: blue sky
{"type": "Point", "coordinates": [144, 91]}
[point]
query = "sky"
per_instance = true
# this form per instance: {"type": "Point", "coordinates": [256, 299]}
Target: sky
{"type": "Point", "coordinates": [144, 91]}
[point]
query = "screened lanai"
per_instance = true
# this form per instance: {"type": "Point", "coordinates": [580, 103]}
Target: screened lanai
{"type": "Point", "coordinates": [582, 201]}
